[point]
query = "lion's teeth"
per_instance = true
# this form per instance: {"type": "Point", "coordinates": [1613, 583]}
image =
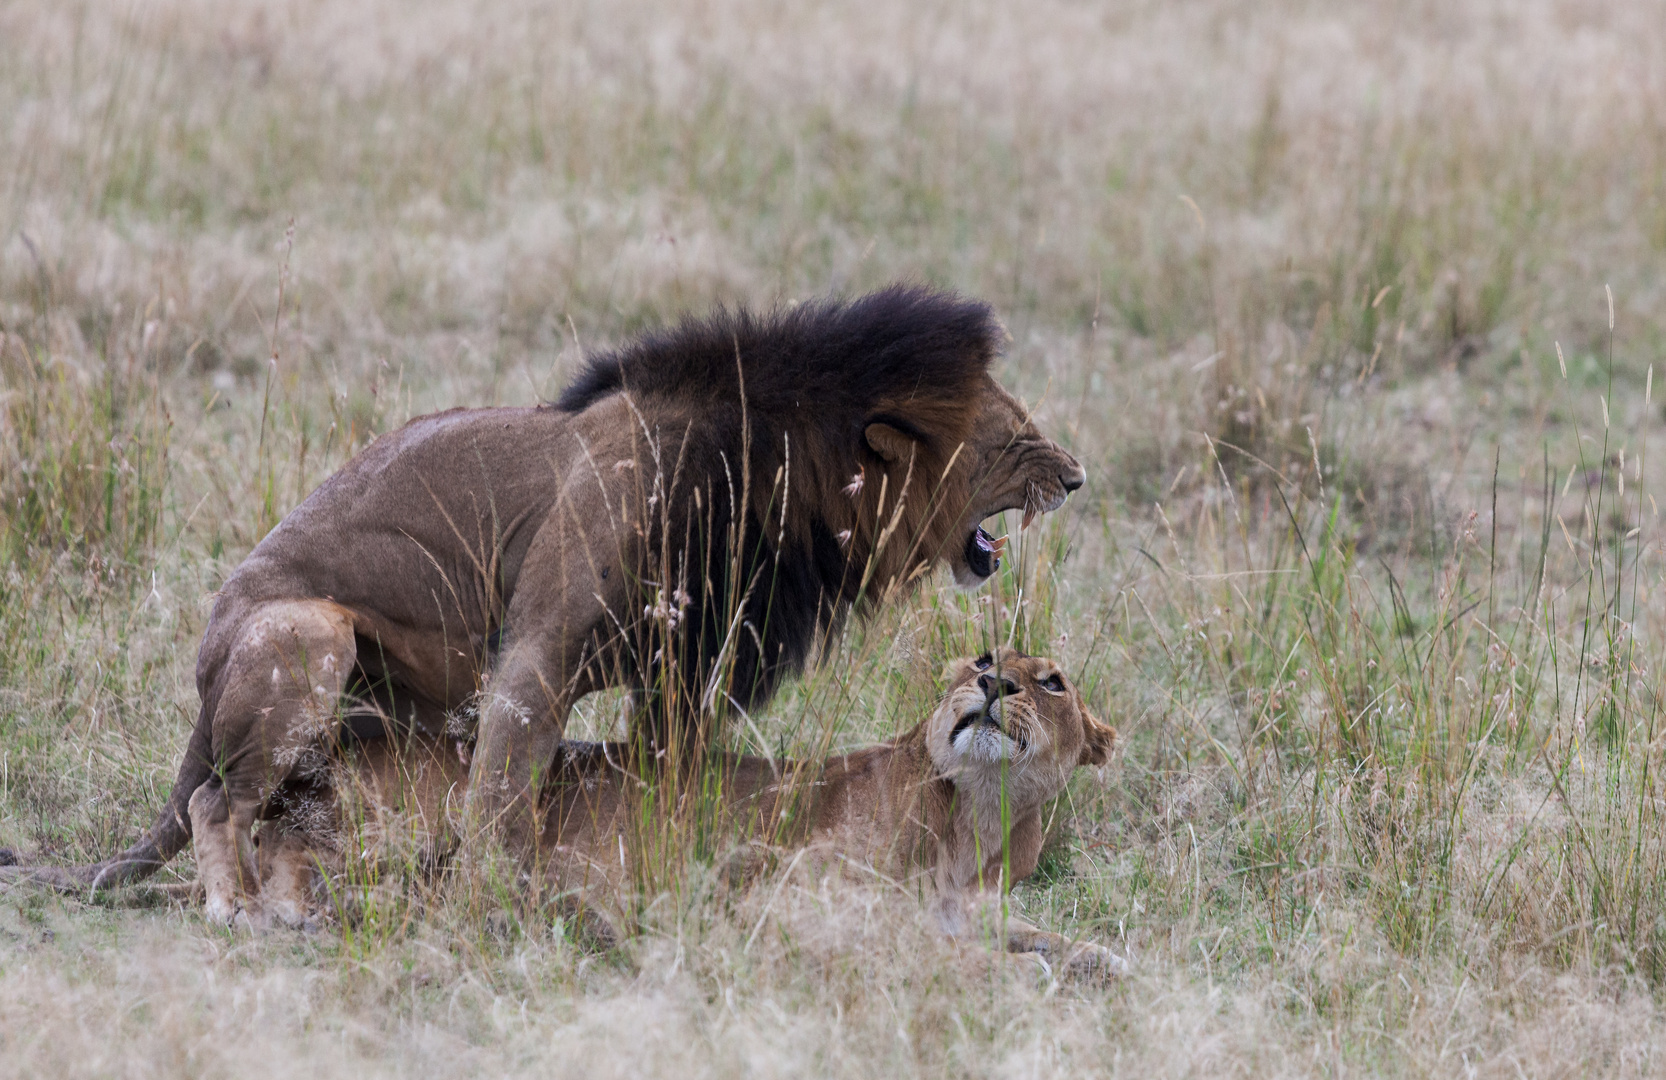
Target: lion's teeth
{"type": "Point", "coordinates": [1029, 516]}
{"type": "Point", "coordinates": [1000, 544]}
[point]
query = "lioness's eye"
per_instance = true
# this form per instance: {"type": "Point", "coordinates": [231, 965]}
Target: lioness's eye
{"type": "Point", "coordinates": [982, 663]}
{"type": "Point", "coordinates": [1054, 683]}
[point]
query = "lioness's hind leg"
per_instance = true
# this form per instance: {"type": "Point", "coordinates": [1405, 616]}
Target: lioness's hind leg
{"type": "Point", "coordinates": [276, 716]}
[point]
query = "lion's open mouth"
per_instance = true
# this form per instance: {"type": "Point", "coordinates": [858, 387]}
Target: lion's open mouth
{"type": "Point", "coordinates": [983, 552]}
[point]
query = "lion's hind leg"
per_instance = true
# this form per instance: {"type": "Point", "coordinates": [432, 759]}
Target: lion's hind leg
{"type": "Point", "coordinates": [225, 855]}
{"type": "Point", "coordinates": [277, 716]}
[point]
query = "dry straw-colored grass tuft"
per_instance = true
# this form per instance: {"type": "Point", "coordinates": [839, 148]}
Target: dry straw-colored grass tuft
{"type": "Point", "coordinates": [1367, 572]}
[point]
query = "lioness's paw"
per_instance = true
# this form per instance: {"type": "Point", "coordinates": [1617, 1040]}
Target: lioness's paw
{"type": "Point", "coordinates": [1095, 963]}
{"type": "Point", "coordinates": [1032, 963]}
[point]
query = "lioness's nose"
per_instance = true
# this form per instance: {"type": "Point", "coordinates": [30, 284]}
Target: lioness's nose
{"type": "Point", "coordinates": [993, 688]}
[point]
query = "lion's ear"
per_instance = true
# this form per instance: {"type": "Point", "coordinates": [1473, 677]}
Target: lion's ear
{"type": "Point", "coordinates": [1098, 738]}
{"type": "Point", "coordinates": [888, 442]}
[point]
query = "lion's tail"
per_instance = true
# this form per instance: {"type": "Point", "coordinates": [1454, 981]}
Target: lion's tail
{"type": "Point", "coordinates": [162, 841]}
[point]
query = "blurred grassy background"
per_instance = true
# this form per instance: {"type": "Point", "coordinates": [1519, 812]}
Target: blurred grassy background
{"type": "Point", "coordinates": [1366, 570]}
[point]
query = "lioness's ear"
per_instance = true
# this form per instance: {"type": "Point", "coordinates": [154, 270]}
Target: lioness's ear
{"type": "Point", "coordinates": [1098, 738]}
{"type": "Point", "coordinates": [888, 442]}
{"type": "Point", "coordinates": [953, 669]}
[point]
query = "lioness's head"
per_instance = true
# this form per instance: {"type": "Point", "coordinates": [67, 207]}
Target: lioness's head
{"type": "Point", "coordinates": [1016, 720]}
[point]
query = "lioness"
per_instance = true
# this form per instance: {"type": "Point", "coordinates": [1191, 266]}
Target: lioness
{"type": "Point", "coordinates": [956, 801]}
{"type": "Point", "coordinates": [686, 520]}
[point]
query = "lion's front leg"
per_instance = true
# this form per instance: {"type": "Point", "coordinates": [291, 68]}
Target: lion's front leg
{"type": "Point", "coordinates": [516, 744]}
{"type": "Point", "coordinates": [522, 718]}
{"type": "Point", "coordinates": [561, 632]}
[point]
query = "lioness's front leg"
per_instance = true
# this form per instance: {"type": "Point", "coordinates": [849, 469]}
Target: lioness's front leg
{"type": "Point", "coordinates": [1073, 959]}
{"type": "Point", "coordinates": [979, 916]}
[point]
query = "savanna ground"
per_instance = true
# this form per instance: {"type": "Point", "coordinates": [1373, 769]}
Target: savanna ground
{"type": "Point", "coordinates": [1368, 569]}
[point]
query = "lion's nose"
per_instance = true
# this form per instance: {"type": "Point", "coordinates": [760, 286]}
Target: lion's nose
{"type": "Point", "coordinates": [996, 688]}
{"type": "Point", "coordinates": [1074, 478]}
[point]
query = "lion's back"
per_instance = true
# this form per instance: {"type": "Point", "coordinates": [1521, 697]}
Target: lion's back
{"type": "Point", "coordinates": [400, 531]}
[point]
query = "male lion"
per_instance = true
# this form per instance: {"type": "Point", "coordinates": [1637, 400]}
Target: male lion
{"type": "Point", "coordinates": [956, 802]}
{"type": "Point", "coordinates": [695, 509]}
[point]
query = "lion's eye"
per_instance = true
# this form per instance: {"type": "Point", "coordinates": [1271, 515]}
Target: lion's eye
{"type": "Point", "coordinates": [1054, 683]}
{"type": "Point", "coordinates": [983, 662]}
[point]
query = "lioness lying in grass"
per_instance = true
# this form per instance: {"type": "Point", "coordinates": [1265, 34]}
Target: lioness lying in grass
{"type": "Point", "coordinates": [956, 801]}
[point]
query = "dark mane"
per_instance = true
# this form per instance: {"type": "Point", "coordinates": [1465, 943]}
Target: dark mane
{"type": "Point", "coordinates": [797, 545]}
{"type": "Point", "coordinates": [842, 355]}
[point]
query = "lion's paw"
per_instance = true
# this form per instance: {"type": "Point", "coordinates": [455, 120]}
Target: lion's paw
{"type": "Point", "coordinates": [247, 916]}
{"type": "Point", "coordinates": [220, 911]}
{"type": "Point", "coordinates": [251, 920]}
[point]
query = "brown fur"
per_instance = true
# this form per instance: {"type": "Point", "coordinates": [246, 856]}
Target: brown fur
{"type": "Point", "coordinates": [680, 525]}
{"type": "Point", "coordinates": [966, 819]}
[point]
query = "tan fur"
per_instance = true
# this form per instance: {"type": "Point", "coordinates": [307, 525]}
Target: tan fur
{"type": "Point", "coordinates": [959, 812]}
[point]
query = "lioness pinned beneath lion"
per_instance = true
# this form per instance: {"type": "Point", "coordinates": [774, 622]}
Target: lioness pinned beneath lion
{"type": "Point", "coordinates": [694, 513]}
{"type": "Point", "coordinates": [953, 805]}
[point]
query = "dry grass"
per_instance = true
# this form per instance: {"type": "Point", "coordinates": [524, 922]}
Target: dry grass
{"type": "Point", "coordinates": [1391, 798]}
